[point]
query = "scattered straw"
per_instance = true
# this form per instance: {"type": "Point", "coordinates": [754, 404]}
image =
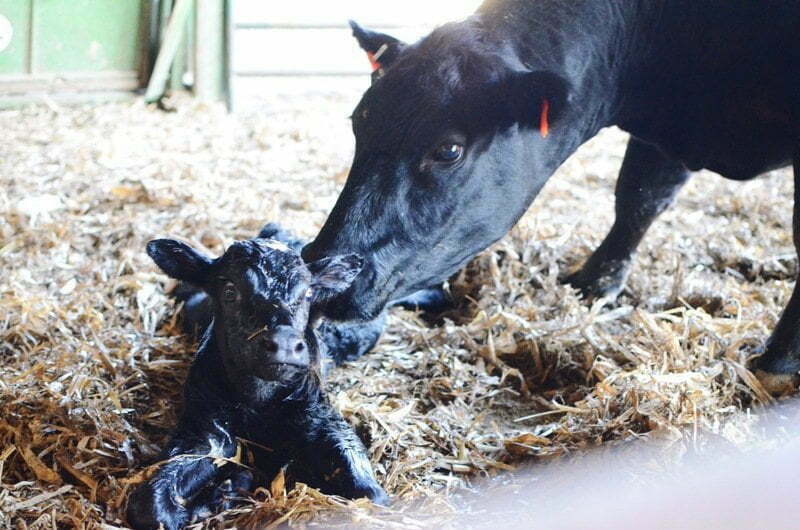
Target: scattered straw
{"type": "Point", "coordinates": [522, 371]}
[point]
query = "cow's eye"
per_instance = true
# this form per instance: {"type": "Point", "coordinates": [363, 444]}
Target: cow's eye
{"type": "Point", "coordinates": [229, 292]}
{"type": "Point", "coordinates": [448, 152]}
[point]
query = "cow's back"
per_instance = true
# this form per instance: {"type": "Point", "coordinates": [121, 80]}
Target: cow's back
{"type": "Point", "coordinates": [719, 88]}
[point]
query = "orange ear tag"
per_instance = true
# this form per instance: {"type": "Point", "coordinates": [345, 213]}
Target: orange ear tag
{"type": "Point", "coordinates": [374, 58]}
{"type": "Point", "coordinates": [373, 61]}
{"type": "Point", "coordinates": [544, 124]}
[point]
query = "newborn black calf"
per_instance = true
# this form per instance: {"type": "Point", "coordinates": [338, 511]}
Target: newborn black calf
{"type": "Point", "coordinates": [343, 341]}
{"type": "Point", "coordinates": [255, 377]}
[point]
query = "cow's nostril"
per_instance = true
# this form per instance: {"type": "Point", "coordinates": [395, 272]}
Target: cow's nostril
{"type": "Point", "coordinates": [300, 347]}
{"type": "Point", "coordinates": [271, 346]}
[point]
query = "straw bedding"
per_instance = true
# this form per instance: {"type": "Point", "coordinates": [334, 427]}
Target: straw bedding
{"type": "Point", "coordinates": [522, 372]}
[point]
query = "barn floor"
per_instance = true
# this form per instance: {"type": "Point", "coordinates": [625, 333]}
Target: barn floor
{"type": "Point", "coordinates": [521, 373]}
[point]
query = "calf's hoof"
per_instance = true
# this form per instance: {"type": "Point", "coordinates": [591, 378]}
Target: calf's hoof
{"type": "Point", "coordinates": [222, 496]}
{"type": "Point", "coordinates": [606, 281]}
{"type": "Point", "coordinates": [380, 497]}
{"type": "Point", "coordinates": [149, 511]}
{"type": "Point", "coordinates": [374, 493]}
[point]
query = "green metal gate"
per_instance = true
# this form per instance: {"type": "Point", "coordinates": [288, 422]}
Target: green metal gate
{"type": "Point", "coordinates": [72, 47]}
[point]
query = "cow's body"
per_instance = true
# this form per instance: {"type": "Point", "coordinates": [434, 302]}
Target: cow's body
{"type": "Point", "coordinates": [721, 88]}
{"type": "Point", "coordinates": [448, 156]}
{"type": "Point", "coordinates": [710, 81]}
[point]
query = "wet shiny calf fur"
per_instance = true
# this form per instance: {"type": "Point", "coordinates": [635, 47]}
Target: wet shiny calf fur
{"type": "Point", "coordinates": [342, 341]}
{"type": "Point", "coordinates": [256, 378]}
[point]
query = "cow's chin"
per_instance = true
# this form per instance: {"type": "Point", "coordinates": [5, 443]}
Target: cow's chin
{"type": "Point", "coordinates": [349, 307]}
{"type": "Point", "coordinates": [362, 302]}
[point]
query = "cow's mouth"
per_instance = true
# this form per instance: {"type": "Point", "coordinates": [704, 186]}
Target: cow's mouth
{"type": "Point", "coordinates": [357, 304]}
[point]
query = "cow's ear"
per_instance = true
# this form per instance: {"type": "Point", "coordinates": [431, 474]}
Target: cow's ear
{"type": "Point", "coordinates": [381, 49]}
{"type": "Point", "coordinates": [333, 275]}
{"type": "Point", "coordinates": [179, 260]}
{"type": "Point", "coordinates": [538, 99]}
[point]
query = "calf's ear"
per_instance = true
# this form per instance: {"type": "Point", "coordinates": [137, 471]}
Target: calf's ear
{"type": "Point", "coordinates": [179, 260]}
{"type": "Point", "coordinates": [537, 98]}
{"type": "Point", "coordinates": [381, 49]}
{"type": "Point", "coordinates": [334, 275]}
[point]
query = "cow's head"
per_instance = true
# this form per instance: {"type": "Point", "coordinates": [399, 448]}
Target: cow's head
{"type": "Point", "coordinates": [454, 139]}
{"type": "Point", "coordinates": [263, 295]}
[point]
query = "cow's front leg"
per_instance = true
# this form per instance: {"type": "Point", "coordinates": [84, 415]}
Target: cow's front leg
{"type": "Point", "coordinates": [647, 184]}
{"type": "Point", "coordinates": [779, 367]}
{"type": "Point", "coordinates": [192, 481]}
{"type": "Point", "coordinates": [332, 458]}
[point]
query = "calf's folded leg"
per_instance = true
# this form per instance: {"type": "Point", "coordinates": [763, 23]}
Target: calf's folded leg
{"type": "Point", "coordinates": [346, 342]}
{"type": "Point", "coordinates": [432, 301]}
{"type": "Point", "coordinates": [182, 487]}
{"type": "Point", "coordinates": [331, 457]}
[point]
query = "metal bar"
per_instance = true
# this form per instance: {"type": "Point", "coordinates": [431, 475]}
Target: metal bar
{"type": "Point", "coordinates": [149, 39]}
{"type": "Point", "coordinates": [29, 57]}
{"type": "Point", "coordinates": [165, 7]}
{"type": "Point", "coordinates": [70, 82]}
{"type": "Point", "coordinates": [172, 39]}
{"type": "Point", "coordinates": [178, 68]}
{"type": "Point", "coordinates": [188, 50]}
{"type": "Point", "coordinates": [229, 49]}
{"type": "Point", "coordinates": [179, 64]}
{"type": "Point", "coordinates": [66, 98]}
{"type": "Point", "coordinates": [210, 50]}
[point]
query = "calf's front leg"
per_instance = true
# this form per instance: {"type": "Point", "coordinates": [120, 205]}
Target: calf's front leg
{"type": "Point", "coordinates": [192, 483]}
{"type": "Point", "coordinates": [779, 367]}
{"type": "Point", "coordinates": [332, 458]}
{"type": "Point", "coordinates": [647, 184]}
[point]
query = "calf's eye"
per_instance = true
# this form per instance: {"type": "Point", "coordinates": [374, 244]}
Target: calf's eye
{"type": "Point", "coordinates": [448, 152]}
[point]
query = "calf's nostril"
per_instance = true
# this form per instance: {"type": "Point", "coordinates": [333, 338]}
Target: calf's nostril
{"type": "Point", "coordinates": [271, 346]}
{"type": "Point", "coordinates": [299, 347]}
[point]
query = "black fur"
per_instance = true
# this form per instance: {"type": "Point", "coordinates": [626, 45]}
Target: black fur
{"type": "Point", "coordinates": [343, 341]}
{"type": "Point", "coordinates": [698, 84]}
{"type": "Point", "coordinates": [255, 377]}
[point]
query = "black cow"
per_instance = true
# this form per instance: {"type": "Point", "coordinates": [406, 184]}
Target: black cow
{"type": "Point", "coordinates": [460, 131]}
{"type": "Point", "coordinates": [255, 377]}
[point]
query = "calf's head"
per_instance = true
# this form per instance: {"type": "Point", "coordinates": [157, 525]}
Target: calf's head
{"type": "Point", "coordinates": [454, 139]}
{"type": "Point", "coordinates": [264, 297]}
